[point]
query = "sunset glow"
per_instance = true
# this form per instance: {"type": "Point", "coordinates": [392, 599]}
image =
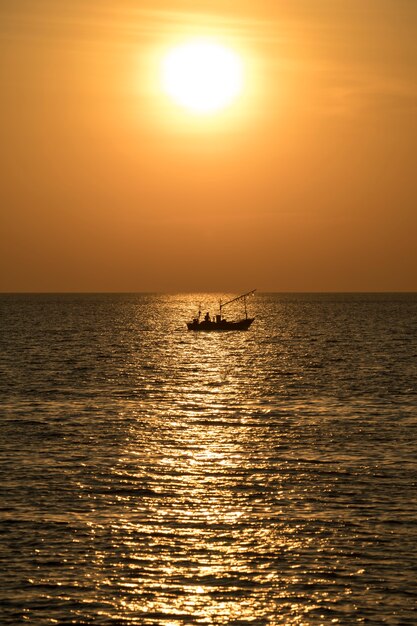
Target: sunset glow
{"type": "Point", "coordinates": [208, 312]}
{"type": "Point", "coordinates": [162, 146]}
{"type": "Point", "coordinates": [202, 76]}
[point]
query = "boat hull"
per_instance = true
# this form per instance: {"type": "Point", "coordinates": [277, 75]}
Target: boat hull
{"type": "Point", "coordinates": [209, 326]}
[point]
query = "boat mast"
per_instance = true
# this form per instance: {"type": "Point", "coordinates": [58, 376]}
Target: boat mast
{"type": "Point", "coordinates": [242, 297]}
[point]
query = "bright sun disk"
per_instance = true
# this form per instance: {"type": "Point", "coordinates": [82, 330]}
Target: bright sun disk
{"type": "Point", "coordinates": [202, 76]}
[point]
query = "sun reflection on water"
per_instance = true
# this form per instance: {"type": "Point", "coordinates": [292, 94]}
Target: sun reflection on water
{"type": "Point", "coordinates": [217, 506]}
{"type": "Point", "coordinates": [156, 476]}
{"type": "Point", "coordinates": [204, 542]}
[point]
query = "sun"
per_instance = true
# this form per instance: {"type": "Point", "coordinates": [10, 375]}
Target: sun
{"type": "Point", "coordinates": [202, 76]}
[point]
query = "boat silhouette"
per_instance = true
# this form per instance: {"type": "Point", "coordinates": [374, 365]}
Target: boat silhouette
{"type": "Point", "coordinates": [218, 322]}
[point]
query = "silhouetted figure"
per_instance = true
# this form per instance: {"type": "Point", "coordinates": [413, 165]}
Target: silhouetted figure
{"type": "Point", "coordinates": [207, 317]}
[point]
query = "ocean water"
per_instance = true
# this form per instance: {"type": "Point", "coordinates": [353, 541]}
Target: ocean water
{"type": "Point", "coordinates": [152, 475]}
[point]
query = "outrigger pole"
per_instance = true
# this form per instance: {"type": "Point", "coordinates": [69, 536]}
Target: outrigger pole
{"type": "Point", "coordinates": [243, 296]}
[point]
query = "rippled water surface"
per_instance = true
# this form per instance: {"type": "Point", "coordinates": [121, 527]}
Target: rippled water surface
{"type": "Point", "coordinates": [152, 475]}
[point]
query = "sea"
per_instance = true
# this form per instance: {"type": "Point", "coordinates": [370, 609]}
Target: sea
{"type": "Point", "coordinates": [151, 475]}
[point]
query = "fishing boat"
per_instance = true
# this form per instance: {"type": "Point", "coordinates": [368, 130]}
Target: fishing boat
{"type": "Point", "coordinates": [218, 322]}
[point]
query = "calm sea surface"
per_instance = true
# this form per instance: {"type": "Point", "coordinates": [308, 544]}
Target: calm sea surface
{"type": "Point", "coordinates": [152, 475]}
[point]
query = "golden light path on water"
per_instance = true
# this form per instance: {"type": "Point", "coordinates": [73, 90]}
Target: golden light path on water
{"type": "Point", "coordinates": [204, 544]}
{"type": "Point", "coordinates": [159, 476]}
{"type": "Point", "coordinates": [212, 549]}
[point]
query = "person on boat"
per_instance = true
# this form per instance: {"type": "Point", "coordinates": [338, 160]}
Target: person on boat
{"type": "Point", "coordinates": [207, 317]}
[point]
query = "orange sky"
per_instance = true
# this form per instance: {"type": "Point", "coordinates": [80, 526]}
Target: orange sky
{"type": "Point", "coordinates": [307, 183]}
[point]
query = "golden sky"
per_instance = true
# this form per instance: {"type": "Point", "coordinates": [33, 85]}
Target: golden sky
{"type": "Point", "coordinates": [308, 182]}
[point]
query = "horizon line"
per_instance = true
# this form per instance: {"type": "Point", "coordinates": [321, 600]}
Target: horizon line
{"type": "Point", "coordinates": [181, 291]}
